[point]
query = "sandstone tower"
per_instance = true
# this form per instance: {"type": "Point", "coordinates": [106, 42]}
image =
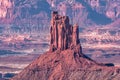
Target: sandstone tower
{"type": "Point", "coordinates": [63, 35]}
{"type": "Point", "coordinates": [66, 61]}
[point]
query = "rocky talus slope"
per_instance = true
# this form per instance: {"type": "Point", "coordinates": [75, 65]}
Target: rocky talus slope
{"type": "Point", "coordinates": [65, 60]}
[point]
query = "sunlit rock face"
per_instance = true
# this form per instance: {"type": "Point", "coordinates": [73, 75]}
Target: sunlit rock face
{"type": "Point", "coordinates": [91, 12]}
{"type": "Point", "coordinates": [63, 63]}
{"type": "Point", "coordinates": [5, 8]}
{"type": "Point", "coordinates": [110, 8]}
{"type": "Point", "coordinates": [63, 35]}
{"type": "Point", "coordinates": [19, 11]}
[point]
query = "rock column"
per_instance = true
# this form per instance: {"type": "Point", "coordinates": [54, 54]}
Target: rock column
{"type": "Point", "coordinates": [63, 35]}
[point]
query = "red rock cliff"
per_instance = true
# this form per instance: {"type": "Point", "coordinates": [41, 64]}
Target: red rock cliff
{"type": "Point", "coordinates": [65, 61]}
{"type": "Point", "coordinates": [63, 35]}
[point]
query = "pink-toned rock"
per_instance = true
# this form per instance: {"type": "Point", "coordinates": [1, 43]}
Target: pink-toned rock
{"type": "Point", "coordinates": [75, 35]}
{"type": "Point", "coordinates": [65, 60]}
{"type": "Point", "coordinates": [63, 35]}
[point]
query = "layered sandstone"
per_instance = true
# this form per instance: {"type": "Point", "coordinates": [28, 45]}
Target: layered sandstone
{"type": "Point", "coordinates": [65, 60]}
{"type": "Point", "coordinates": [63, 35]}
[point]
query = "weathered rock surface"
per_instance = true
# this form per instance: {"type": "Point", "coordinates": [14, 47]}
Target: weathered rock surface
{"type": "Point", "coordinates": [63, 35]}
{"type": "Point", "coordinates": [65, 60]}
{"type": "Point", "coordinates": [66, 65]}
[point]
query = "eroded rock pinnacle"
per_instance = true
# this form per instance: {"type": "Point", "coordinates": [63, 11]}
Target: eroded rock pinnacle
{"type": "Point", "coordinates": [63, 35]}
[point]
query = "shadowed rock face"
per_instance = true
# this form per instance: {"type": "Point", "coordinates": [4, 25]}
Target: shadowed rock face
{"type": "Point", "coordinates": [65, 60]}
{"type": "Point", "coordinates": [63, 35]}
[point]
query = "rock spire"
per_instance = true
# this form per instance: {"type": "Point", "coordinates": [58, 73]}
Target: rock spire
{"type": "Point", "coordinates": [63, 35]}
{"type": "Point", "coordinates": [66, 61]}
